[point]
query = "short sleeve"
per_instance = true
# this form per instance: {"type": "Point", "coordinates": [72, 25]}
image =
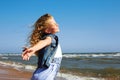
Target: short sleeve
{"type": "Point", "coordinates": [53, 42]}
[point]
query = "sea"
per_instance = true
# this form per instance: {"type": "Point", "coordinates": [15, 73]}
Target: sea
{"type": "Point", "coordinates": [101, 64]}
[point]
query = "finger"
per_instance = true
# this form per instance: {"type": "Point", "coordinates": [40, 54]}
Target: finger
{"type": "Point", "coordinates": [23, 53]}
{"type": "Point", "coordinates": [28, 58]}
{"type": "Point", "coordinates": [30, 51]}
{"type": "Point", "coordinates": [25, 57]}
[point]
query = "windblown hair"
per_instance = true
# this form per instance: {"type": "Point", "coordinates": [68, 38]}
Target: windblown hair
{"type": "Point", "coordinates": [39, 29]}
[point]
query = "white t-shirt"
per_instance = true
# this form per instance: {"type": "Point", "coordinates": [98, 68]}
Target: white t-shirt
{"type": "Point", "coordinates": [58, 53]}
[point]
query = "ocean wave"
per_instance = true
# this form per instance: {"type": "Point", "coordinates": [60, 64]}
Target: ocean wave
{"type": "Point", "coordinates": [4, 57]}
{"type": "Point", "coordinates": [78, 55]}
{"type": "Point", "coordinates": [72, 55]}
{"type": "Point", "coordinates": [18, 66]}
{"type": "Point", "coordinates": [74, 77]}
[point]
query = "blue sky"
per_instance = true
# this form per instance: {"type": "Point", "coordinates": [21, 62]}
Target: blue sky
{"type": "Point", "coordinates": [86, 25]}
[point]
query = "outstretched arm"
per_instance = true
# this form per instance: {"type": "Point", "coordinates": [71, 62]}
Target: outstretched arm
{"type": "Point", "coordinates": [28, 52]}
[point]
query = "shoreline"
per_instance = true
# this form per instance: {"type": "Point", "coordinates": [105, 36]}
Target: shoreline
{"type": "Point", "coordinates": [18, 71]}
{"type": "Point", "coordinates": [73, 71]}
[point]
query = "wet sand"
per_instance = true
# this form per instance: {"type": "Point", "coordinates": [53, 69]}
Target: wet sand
{"type": "Point", "coordinates": [9, 73]}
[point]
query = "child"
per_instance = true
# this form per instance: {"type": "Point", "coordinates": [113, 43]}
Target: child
{"type": "Point", "coordinates": [44, 44]}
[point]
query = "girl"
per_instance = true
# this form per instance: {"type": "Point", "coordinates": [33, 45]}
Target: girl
{"type": "Point", "coordinates": [44, 44]}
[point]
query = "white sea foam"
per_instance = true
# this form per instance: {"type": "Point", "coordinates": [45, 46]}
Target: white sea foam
{"type": "Point", "coordinates": [109, 55]}
{"type": "Point", "coordinates": [18, 66]}
{"type": "Point", "coordinates": [29, 67]}
{"type": "Point", "coordinates": [74, 77]}
{"type": "Point", "coordinates": [4, 58]}
{"type": "Point", "coordinates": [72, 55]}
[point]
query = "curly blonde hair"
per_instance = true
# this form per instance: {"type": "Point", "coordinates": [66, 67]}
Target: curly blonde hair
{"type": "Point", "coordinates": [39, 29]}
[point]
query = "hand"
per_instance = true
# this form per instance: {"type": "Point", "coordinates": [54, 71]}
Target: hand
{"type": "Point", "coordinates": [23, 52]}
{"type": "Point", "coordinates": [27, 53]}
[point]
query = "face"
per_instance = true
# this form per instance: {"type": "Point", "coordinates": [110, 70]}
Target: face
{"type": "Point", "coordinates": [52, 27]}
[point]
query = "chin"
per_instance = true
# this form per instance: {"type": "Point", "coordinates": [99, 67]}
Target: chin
{"type": "Point", "coordinates": [58, 30]}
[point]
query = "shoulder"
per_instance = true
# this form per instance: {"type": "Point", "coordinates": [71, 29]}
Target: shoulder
{"type": "Point", "coordinates": [53, 38]}
{"type": "Point", "coordinates": [48, 36]}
